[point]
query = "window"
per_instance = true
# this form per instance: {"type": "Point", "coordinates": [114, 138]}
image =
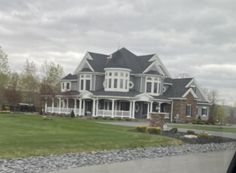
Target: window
{"type": "Point", "coordinates": [204, 111]}
{"type": "Point", "coordinates": [153, 85]}
{"type": "Point", "coordinates": [149, 87]}
{"type": "Point", "coordinates": [117, 80]}
{"type": "Point", "coordinates": [85, 82]}
{"type": "Point", "coordinates": [66, 86]}
{"type": "Point", "coordinates": [188, 110]}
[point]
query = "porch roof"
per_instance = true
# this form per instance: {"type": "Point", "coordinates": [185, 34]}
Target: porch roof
{"type": "Point", "coordinates": [101, 92]}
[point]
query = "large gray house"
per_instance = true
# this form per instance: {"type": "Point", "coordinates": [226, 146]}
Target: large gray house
{"type": "Point", "coordinates": [123, 84]}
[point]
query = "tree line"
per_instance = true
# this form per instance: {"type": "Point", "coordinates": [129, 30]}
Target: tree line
{"type": "Point", "coordinates": [30, 83]}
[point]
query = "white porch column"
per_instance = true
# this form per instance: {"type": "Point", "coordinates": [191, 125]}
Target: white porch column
{"type": "Point", "coordinates": [130, 109]}
{"type": "Point", "coordinates": [148, 110]}
{"type": "Point", "coordinates": [59, 105]}
{"type": "Point", "coordinates": [133, 110]}
{"type": "Point", "coordinates": [83, 107]}
{"type": "Point", "coordinates": [159, 110]}
{"type": "Point", "coordinates": [46, 106]}
{"type": "Point", "coordinates": [94, 105]}
{"type": "Point", "coordinates": [67, 103]}
{"type": "Point", "coordinates": [80, 107]}
{"type": "Point", "coordinates": [75, 106]}
{"type": "Point", "coordinates": [97, 107]}
{"type": "Point", "coordinates": [171, 114]}
{"type": "Point", "coordinates": [52, 105]}
{"type": "Point", "coordinates": [151, 109]}
{"type": "Point", "coordinates": [112, 108]}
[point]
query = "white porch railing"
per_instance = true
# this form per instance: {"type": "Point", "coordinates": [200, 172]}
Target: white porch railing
{"type": "Point", "coordinates": [62, 110]}
{"type": "Point", "coordinates": [117, 113]}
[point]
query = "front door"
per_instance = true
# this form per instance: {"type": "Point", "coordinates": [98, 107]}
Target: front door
{"type": "Point", "coordinates": [88, 107]}
{"type": "Point", "coordinates": [141, 110]}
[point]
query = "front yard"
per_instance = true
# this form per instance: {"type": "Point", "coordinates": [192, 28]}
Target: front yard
{"type": "Point", "coordinates": [31, 135]}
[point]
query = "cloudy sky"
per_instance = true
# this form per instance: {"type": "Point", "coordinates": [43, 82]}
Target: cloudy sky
{"type": "Point", "coordinates": [194, 37]}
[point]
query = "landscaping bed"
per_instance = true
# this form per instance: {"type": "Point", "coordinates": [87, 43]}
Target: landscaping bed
{"type": "Point", "coordinates": [199, 140]}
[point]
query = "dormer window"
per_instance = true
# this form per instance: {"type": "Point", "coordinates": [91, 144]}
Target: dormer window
{"type": "Point", "coordinates": [153, 85]}
{"type": "Point", "coordinates": [116, 79]}
{"type": "Point", "coordinates": [65, 86]}
{"type": "Point", "coordinates": [85, 82]}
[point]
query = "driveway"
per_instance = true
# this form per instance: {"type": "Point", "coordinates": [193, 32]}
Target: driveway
{"type": "Point", "coordinates": [213, 162]}
{"type": "Point", "coordinates": [134, 124]}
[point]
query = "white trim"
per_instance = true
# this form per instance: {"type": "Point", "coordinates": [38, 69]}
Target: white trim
{"type": "Point", "coordinates": [117, 69]}
{"type": "Point", "coordinates": [153, 81]}
{"type": "Point", "coordinates": [190, 90]}
{"type": "Point", "coordinates": [198, 87]}
{"type": "Point", "coordinates": [158, 62]}
{"type": "Point", "coordinates": [82, 63]}
{"type": "Point", "coordinates": [121, 76]}
{"type": "Point", "coordinates": [84, 78]}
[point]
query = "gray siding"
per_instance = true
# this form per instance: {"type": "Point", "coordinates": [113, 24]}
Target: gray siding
{"type": "Point", "coordinates": [136, 81]}
{"type": "Point", "coordinates": [74, 85]}
{"type": "Point", "coordinates": [99, 82]}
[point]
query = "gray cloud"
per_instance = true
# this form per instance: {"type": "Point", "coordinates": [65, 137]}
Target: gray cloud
{"type": "Point", "coordinates": [194, 37]}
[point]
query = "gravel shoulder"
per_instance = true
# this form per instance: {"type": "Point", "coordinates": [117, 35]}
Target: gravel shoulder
{"type": "Point", "coordinates": [211, 162]}
{"type": "Point", "coordinates": [75, 160]}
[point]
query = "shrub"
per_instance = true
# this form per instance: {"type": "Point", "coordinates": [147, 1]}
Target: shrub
{"type": "Point", "coordinates": [118, 118]}
{"type": "Point", "coordinates": [190, 132]}
{"type": "Point", "coordinates": [204, 135]}
{"type": "Point", "coordinates": [72, 114]}
{"type": "Point", "coordinates": [174, 130]}
{"type": "Point", "coordinates": [154, 130]}
{"type": "Point", "coordinates": [127, 119]}
{"type": "Point", "coordinates": [141, 128]}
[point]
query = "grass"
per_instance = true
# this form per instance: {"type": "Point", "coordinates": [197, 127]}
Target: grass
{"type": "Point", "coordinates": [204, 127]}
{"type": "Point", "coordinates": [31, 135]}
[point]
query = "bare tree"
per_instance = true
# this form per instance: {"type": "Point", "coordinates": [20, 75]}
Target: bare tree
{"type": "Point", "coordinates": [4, 74]}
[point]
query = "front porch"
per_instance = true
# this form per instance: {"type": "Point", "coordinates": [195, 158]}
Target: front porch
{"type": "Point", "coordinates": [106, 107]}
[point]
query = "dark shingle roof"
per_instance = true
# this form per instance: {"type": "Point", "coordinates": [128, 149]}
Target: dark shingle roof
{"type": "Point", "coordinates": [177, 89]}
{"type": "Point", "coordinates": [122, 58]}
{"type": "Point", "coordinates": [68, 93]}
{"type": "Point", "coordinates": [70, 76]}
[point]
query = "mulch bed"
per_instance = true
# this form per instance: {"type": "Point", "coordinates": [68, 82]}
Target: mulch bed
{"type": "Point", "coordinates": [201, 140]}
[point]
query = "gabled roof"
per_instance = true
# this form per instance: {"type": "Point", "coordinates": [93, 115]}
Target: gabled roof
{"type": "Point", "coordinates": [177, 89]}
{"type": "Point", "coordinates": [121, 58]}
{"type": "Point", "coordinates": [69, 76]}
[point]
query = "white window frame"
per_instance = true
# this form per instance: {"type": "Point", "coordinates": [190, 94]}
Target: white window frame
{"type": "Point", "coordinates": [64, 86]}
{"type": "Point", "coordinates": [117, 74]}
{"type": "Point", "coordinates": [85, 77]}
{"type": "Point", "coordinates": [153, 80]}
{"type": "Point", "coordinates": [190, 110]}
{"type": "Point", "coordinates": [204, 115]}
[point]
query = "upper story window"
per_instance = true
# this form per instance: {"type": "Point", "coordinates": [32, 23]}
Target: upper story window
{"type": "Point", "coordinates": [153, 85]}
{"type": "Point", "coordinates": [65, 86]}
{"type": "Point", "coordinates": [85, 82]}
{"type": "Point", "coordinates": [116, 79]}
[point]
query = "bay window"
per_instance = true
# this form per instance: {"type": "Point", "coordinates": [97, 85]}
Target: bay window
{"type": "Point", "coordinates": [153, 85]}
{"type": "Point", "coordinates": [116, 79]}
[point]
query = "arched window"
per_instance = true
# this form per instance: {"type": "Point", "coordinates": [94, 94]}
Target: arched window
{"type": "Point", "coordinates": [153, 85]}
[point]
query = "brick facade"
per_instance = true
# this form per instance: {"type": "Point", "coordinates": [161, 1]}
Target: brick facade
{"type": "Point", "coordinates": [179, 109]}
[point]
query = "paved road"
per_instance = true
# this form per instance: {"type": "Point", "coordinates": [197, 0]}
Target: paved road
{"type": "Point", "coordinates": [215, 162]}
{"type": "Point", "coordinates": [133, 124]}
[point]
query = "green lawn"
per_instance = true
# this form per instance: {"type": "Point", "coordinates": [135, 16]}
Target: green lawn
{"type": "Point", "coordinates": [205, 127]}
{"type": "Point", "coordinates": [30, 135]}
